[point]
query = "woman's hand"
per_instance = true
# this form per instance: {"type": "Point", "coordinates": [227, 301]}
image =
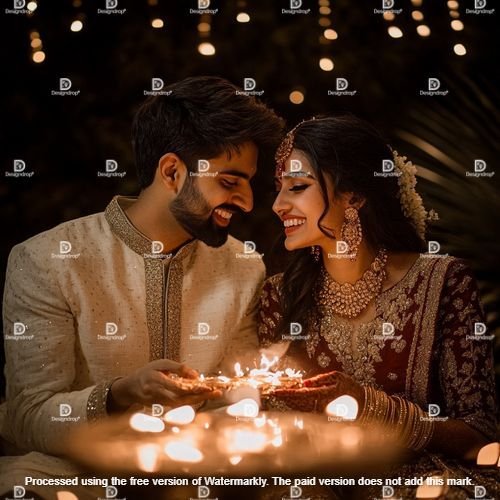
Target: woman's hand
{"type": "Point", "coordinates": [159, 382]}
{"type": "Point", "coordinates": [317, 392]}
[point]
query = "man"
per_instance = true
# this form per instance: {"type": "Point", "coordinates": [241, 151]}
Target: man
{"type": "Point", "coordinates": [103, 307]}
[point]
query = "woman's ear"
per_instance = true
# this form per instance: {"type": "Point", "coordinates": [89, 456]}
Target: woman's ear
{"type": "Point", "coordinates": [171, 172]}
{"type": "Point", "coordinates": [353, 200]}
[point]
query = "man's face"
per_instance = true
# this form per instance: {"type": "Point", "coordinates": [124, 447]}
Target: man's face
{"type": "Point", "coordinates": [209, 198]}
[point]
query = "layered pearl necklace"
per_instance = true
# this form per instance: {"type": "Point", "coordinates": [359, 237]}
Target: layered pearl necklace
{"type": "Point", "coordinates": [347, 299]}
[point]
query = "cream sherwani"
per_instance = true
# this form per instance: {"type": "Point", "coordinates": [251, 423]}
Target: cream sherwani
{"type": "Point", "coordinates": [89, 300]}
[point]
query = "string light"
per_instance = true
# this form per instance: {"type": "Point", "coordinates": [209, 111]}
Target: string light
{"type": "Point", "coordinates": [455, 14]}
{"type": "Point", "coordinates": [423, 30]}
{"type": "Point", "coordinates": [296, 97]}
{"type": "Point", "coordinates": [206, 49]}
{"type": "Point", "coordinates": [204, 27]}
{"type": "Point", "coordinates": [76, 26]}
{"type": "Point", "coordinates": [389, 16]}
{"type": "Point", "coordinates": [452, 4]}
{"type": "Point", "coordinates": [416, 3]}
{"type": "Point", "coordinates": [157, 23]}
{"type": "Point", "coordinates": [243, 17]}
{"type": "Point", "coordinates": [459, 49]}
{"type": "Point", "coordinates": [417, 15]}
{"type": "Point", "coordinates": [324, 21]}
{"type": "Point", "coordinates": [36, 43]}
{"type": "Point", "coordinates": [32, 6]}
{"type": "Point", "coordinates": [325, 11]}
{"type": "Point", "coordinates": [330, 34]}
{"type": "Point", "coordinates": [457, 25]}
{"type": "Point", "coordinates": [38, 56]}
{"type": "Point", "coordinates": [394, 32]}
{"type": "Point", "coordinates": [326, 64]}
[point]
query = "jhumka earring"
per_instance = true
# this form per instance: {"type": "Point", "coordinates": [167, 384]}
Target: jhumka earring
{"type": "Point", "coordinates": [316, 253]}
{"type": "Point", "coordinates": [351, 231]}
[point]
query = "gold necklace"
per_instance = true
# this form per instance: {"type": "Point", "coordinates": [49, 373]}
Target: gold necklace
{"type": "Point", "coordinates": [347, 299]}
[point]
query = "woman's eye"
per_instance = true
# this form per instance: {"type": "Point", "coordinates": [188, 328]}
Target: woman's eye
{"type": "Point", "coordinates": [299, 187]}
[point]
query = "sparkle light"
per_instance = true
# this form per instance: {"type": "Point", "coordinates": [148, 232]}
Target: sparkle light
{"type": "Point", "coordinates": [326, 64]}
{"type": "Point", "coordinates": [32, 6]}
{"type": "Point", "coordinates": [417, 15]}
{"type": "Point", "coordinates": [423, 30]}
{"type": "Point", "coordinates": [243, 17]}
{"type": "Point", "coordinates": [206, 49]}
{"type": "Point", "coordinates": [157, 23]}
{"type": "Point", "coordinates": [296, 97]}
{"type": "Point", "coordinates": [330, 34]}
{"type": "Point", "coordinates": [36, 43]}
{"type": "Point", "coordinates": [76, 26]}
{"type": "Point", "coordinates": [459, 49]}
{"type": "Point", "coordinates": [39, 56]}
{"type": "Point", "coordinates": [394, 32]}
{"type": "Point", "coordinates": [204, 27]}
{"type": "Point", "coordinates": [457, 25]}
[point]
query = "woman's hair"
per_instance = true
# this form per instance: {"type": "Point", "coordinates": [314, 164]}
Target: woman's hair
{"type": "Point", "coordinates": [347, 151]}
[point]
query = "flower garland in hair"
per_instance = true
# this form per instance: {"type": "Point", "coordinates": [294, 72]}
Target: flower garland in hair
{"type": "Point", "coordinates": [411, 201]}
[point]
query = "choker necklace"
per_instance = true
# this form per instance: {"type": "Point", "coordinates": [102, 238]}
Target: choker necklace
{"type": "Point", "coordinates": [347, 299]}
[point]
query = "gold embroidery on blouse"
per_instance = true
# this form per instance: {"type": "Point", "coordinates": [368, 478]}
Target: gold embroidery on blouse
{"type": "Point", "coordinates": [155, 277]}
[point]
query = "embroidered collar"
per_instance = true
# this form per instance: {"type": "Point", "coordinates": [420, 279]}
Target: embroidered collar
{"type": "Point", "coordinates": [120, 225]}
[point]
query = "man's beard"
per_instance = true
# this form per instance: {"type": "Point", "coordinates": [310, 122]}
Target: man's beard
{"type": "Point", "coordinates": [192, 211]}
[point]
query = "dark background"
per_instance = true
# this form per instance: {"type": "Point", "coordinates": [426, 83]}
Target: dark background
{"type": "Point", "coordinates": [66, 140]}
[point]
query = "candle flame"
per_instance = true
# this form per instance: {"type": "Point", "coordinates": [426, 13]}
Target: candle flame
{"type": "Point", "coordinates": [180, 416]}
{"type": "Point", "coordinates": [244, 441]}
{"type": "Point", "coordinates": [146, 423]}
{"type": "Point", "coordinates": [147, 455]}
{"type": "Point", "coordinates": [183, 451]}
{"type": "Point", "coordinates": [245, 408]}
{"type": "Point", "coordinates": [344, 407]}
{"type": "Point", "coordinates": [235, 459]}
{"type": "Point", "coordinates": [489, 454]}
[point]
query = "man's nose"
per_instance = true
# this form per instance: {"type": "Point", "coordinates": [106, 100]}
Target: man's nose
{"type": "Point", "coordinates": [243, 198]}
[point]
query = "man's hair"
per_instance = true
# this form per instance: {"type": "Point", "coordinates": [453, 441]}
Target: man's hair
{"type": "Point", "coordinates": [201, 118]}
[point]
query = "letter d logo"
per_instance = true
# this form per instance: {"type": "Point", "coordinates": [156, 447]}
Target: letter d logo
{"type": "Point", "coordinates": [387, 4]}
{"type": "Point", "coordinates": [295, 491]}
{"type": "Point", "coordinates": [19, 491]}
{"type": "Point", "coordinates": [433, 83]}
{"type": "Point", "coordinates": [249, 247]}
{"type": "Point", "coordinates": [295, 328]}
{"type": "Point", "coordinates": [434, 247]}
{"type": "Point", "coordinates": [64, 247]}
{"type": "Point", "coordinates": [203, 4]}
{"type": "Point", "coordinates": [19, 165]}
{"type": "Point", "coordinates": [111, 328]}
{"type": "Point", "coordinates": [387, 491]}
{"type": "Point", "coordinates": [479, 492]}
{"type": "Point", "coordinates": [156, 410]}
{"type": "Point", "coordinates": [64, 83]}
{"type": "Point", "coordinates": [203, 165]}
{"type": "Point", "coordinates": [387, 328]}
{"type": "Point", "coordinates": [19, 328]}
{"type": "Point", "coordinates": [111, 491]}
{"type": "Point", "coordinates": [341, 83]}
{"type": "Point", "coordinates": [342, 247]}
{"type": "Point", "coordinates": [111, 165]}
{"type": "Point", "coordinates": [156, 247]}
{"type": "Point", "coordinates": [295, 165]}
{"type": "Point", "coordinates": [249, 84]}
{"type": "Point", "coordinates": [203, 491]}
{"type": "Point", "coordinates": [203, 328]}
{"type": "Point", "coordinates": [295, 4]}
{"type": "Point", "coordinates": [19, 4]}
{"type": "Point", "coordinates": [111, 4]}
{"type": "Point", "coordinates": [157, 83]}
{"type": "Point", "coordinates": [479, 4]}
{"type": "Point", "coordinates": [434, 410]}
{"type": "Point", "coordinates": [65, 410]}
{"type": "Point", "coordinates": [479, 328]}
{"type": "Point", "coordinates": [387, 165]}
{"type": "Point", "coordinates": [479, 165]}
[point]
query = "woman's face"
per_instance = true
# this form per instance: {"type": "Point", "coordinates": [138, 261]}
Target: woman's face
{"type": "Point", "coordinates": [300, 204]}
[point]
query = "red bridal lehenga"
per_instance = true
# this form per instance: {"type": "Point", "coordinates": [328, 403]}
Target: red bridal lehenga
{"type": "Point", "coordinates": [433, 358]}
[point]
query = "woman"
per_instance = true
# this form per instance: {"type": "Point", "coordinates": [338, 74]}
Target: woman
{"type": "Point", "coordinates": [381, 320]}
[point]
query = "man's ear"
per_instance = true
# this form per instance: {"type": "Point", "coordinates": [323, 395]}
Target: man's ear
{"type": "Point", "coordinates": [171, 172]}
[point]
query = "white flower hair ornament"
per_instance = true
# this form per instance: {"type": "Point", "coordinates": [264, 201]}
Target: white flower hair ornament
{"type": "Point", "coordinates": [411, 201]}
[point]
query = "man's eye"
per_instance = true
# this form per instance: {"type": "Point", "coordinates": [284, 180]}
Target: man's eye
{"type": "Point", "coordinates": [299, 187]}
{"type": "Point", "coordinates": [228, 184]}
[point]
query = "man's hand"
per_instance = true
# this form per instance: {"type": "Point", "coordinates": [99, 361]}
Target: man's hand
{"type": "Point", "coordinates": [158, 382]}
